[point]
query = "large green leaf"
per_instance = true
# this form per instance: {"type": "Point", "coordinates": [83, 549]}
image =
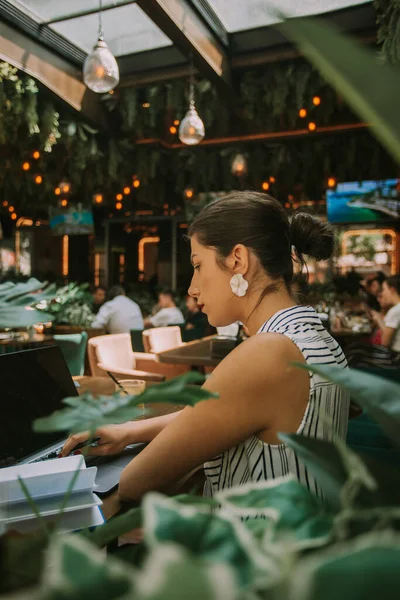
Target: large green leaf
{"type": "Point", "coordinates": [88, 412]}
{"type": "Point", "coordinates": [365, 568]}
{"type": "Point", "coordinates": [172, 573]}
{"type": "Point", "coordinates": [294, 512]}
{"type": "Point", "coordinates": [79, 570]}
{"type": "Point", "coordinates": [378, 396]}
{"type": "Point", "coordinates": [347, 479]}
{"type": "Point", "coordinates": [205, 534]}
{"type": "Point", "coordinates": [370, 88]}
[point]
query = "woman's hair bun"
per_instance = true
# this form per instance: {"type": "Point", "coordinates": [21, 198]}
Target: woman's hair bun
{"type": "Point", "coordinates": [310, 236]}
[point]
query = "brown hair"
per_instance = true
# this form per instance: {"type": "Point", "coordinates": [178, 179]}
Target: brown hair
{"type": "Point", "coordinates": [260, 223]}
{"type": "Point", "coordinates": [394, 282]}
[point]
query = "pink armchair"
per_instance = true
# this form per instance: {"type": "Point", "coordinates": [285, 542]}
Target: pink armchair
{"type": "Point", "coordinates": [114, 353]}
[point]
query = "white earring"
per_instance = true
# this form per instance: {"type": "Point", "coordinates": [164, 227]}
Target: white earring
{"type": "Point", "coordinates": [239, 285]}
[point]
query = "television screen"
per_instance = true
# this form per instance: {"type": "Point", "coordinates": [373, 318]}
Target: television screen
{"type": "Point", "coordinates": [362, 202]}
{"type": "Point", "coordinates": [73, 220]}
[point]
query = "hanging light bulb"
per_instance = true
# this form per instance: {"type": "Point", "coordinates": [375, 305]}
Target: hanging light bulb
{"type": "Point", "coordinates": [191, 129]}
{"type": "Point", "coordinates": [100, 70]}
{"type": "Point", "coordinates": [239, 165]}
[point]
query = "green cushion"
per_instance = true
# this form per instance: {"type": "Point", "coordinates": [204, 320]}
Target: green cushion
{"type": "Point", "coordinates": [73, 347]}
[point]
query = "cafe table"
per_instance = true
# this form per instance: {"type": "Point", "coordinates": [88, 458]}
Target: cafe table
{"type": "Point", "coordinates": [23, 341]}
{"type": "Point", "coordinates": [206, 352]}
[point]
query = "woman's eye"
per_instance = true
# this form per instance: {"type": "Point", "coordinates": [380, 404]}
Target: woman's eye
{"type": "Point", "coordinates": [196, 267]}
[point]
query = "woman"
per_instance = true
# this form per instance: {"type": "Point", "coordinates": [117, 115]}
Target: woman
{"type": "Point", "coordinates": [389, 325]}
{"type": "Point", "coordinates": [242, 250]}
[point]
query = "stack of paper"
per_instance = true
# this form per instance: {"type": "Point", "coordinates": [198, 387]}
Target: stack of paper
{"type": "Point", "coordinates": [47, 483]}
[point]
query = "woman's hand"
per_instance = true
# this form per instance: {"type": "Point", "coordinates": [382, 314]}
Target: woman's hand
{"type": "Point", "coordinates": [113, 440]}
{"type": "Point", "coordinates": [377, 318]}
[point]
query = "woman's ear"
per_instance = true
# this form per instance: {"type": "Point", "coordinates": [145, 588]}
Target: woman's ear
{"type": "Point", "coordinates": [238, 260]}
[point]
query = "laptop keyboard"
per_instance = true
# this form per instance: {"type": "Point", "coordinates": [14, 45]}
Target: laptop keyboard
{"type": "Point", "coordinates": [48, 456]}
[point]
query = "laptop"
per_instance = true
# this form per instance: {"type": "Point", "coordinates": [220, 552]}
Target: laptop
{"type": "Point", "coordinates": [33, 384]}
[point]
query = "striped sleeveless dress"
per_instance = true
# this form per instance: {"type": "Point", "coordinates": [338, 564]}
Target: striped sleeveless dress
{"type": "Point", "coordinates": [327, 411]}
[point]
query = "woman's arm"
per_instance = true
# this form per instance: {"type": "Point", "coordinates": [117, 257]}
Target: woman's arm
{"type": "Point", "coordinates": [387, 332]}
{"type": "Point", "coordinates": [256, 394]}
{"type": "Point", "coordinates": [387, 336]}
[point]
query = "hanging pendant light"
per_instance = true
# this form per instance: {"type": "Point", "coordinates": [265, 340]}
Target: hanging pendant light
{"type": "Point", "coordinates": [239, 165]}
{"type": "Point", "coordinates": [191, 129]}
{"type": "Point", "coordinates": [100, 70]}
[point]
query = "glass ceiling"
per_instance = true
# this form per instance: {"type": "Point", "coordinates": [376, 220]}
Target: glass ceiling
{"type": "Point", "coordinates": [127, 29]}
{"type": "Point", "coordinates": [237, 15]}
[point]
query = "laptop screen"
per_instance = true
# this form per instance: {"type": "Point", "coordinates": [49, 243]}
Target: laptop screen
{"type": "Point", "coordinates": [32, 384]}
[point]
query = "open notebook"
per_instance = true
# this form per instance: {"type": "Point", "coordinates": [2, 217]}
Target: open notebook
{"type": "Point", "coordinates": [47, 483]}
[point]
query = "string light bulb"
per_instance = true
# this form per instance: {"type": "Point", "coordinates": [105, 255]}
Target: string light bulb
{"type": "Point", "coordinates": [64, 202]}
{"type": "Point", "coordinates": [188, 193]}
{"type": "Point", "coordinates": [11, 209]}
{"type": "Point", "coordinates": [312, 126]}
{"type": "Point", "coordinates": [36, 155]}
{"type": "Point", "coordinates": [176, 122]}
{"type": "Point", "coordinates": [118, 205]}
{"type": "Point", "coordinates": [5, 203]}
{"type": "Point", "coordinates": [100, 69]}
{"type": "Point", "coordinates": [38, 179]}
{"type": "Point", "coordinates": [272, 179]}
{"type": "Point", "coordinates": [57, 191]}
{"type": "Point", "coordinates": [127, 190]}
{"type": "Point", "coordinates": [14, 216]}
{"type": "Point", "coordinates": [119, 197]}
{"type": "Point", "coordinates": [302, 113]}
{"type": "Point", "coordinates": [98, 198]}
{"type": "Point", "coordinates": [173, 130]}
{"type": "Point", "coordinates": [316, 100]}
{"type": "Point", "coordinates": [136, 183]}
{"type": "Point", "coordinates": [331, 182]}
{"type": "Point", "coordinates": [26, 166]}
{"type": "Point", "coordinates": [265, 186]}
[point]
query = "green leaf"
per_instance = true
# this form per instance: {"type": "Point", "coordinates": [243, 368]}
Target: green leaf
{"type": "Point", "coordinates": [207, 535]}
{"type": "Point", "coordinates": [378, 396]}
{"type": "Point", "coordinates": [347, 479]}
{"type": "Point", "coordinates": [365, 568]}
{"type": "Point", "coordinates": [76, 569]}
{"type": "Point", "coordinates": [291, 509]}
{"type": "Point", "coordinates": [87, 412]}
{"type": "Point", "coordinates": [370, 88]}
{"type": "Point", "coordinates": [116, 526]}
{"type": "Point", "coordinates": [172, 573]}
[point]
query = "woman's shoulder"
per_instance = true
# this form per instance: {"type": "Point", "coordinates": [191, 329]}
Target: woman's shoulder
{"type": "Point", "coordinates": [265, 355]}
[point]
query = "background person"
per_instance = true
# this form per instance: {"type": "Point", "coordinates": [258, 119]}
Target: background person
{"type": "Point", "coordinates": [120, 314]}
{"type": "Point", "coordinates": [99, 298]}
{"type": "Point", "coordinates": [390, 323]}
{"type": "Point", "coordinates": [169, 313]}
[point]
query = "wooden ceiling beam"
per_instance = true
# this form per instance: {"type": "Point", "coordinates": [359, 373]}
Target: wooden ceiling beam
{"type": "Point", "coordinates": [51, 70]}
{"type": "Point", "coordinates": [192, 36]}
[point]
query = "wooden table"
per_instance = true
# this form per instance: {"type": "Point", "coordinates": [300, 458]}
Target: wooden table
{"type": "Point", "coordinates": [25, 341]}
{"type": "Point", "coordinates": [199, 353]}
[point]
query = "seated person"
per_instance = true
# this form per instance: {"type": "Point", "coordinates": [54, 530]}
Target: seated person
{"type": "Point", "coordinates": [169, 313]}
{"type": "Point", "coordinates": [99, 298]}
{"type": "Point", "coordinates": [120, 314]}
{"type": "Point", "coordinates": [389, 325]}
{"type": "Point", "coordinates": [373, 289]}
{"type": "Point", "coordinates": [244, 238]}
{"type": "Point", "coordinates": [196, 323]}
